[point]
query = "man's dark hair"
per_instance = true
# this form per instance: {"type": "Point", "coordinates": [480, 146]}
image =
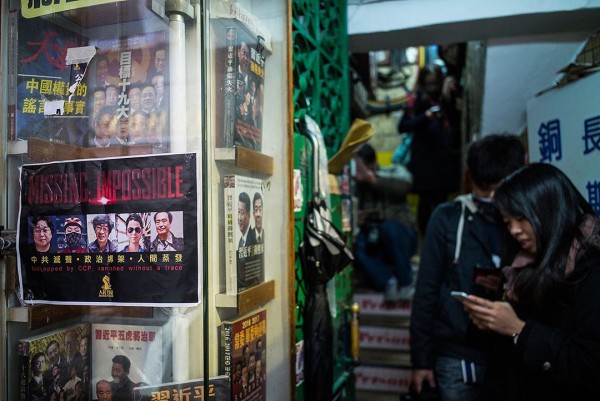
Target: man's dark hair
{"type": "Point", "coordinates": [123, 361]}
{"type": "Point", "coordinates": [168, 214]}
{"type": "Point", "coordinates": [493, 157]}
{"type": "Point", "coordinates": [102, 219]}
{"type": "Point", "coordinates": [106, 110]}
{"type": "Point", "coordinates": [32, 365]}
{"type": "Point", "coordinates": [245, 199]}
{"type": "Point", "coordinates": [367, 153]}
{"type": "Point", "coordinates": [50, 344]}
{"type": "Point", "coordinates": [257, 196]}
{"type": "Point", "coordinates": [136, 84]}
{"type": "Point", "coordinates": [135, 217]}
{"type": "Point", "coordinates": [148, 85]}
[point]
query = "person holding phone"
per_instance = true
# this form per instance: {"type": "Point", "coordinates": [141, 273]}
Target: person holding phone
{"type": "Point", "coordinates": [447, 352]}
{"type": "Point", "coordinates": [435, 148]}
{"type": "Point", "coordinates": [547, 330]}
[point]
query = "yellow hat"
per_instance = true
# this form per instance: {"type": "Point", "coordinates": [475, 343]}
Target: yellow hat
{"type": "Point", "coordinates": [360, 132]}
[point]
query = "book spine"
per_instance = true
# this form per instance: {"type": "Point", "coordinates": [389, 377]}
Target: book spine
{"type": "Point", "coordinates": [230, 87]}
{"type": "Point", "coordinates": [12, 75]}
{"type": "Point", "coordinates": [226, 353]}
{"type": "Point", "coordinates": [230, 249]}
{"type": "Point", "coordinates": [24, 364]}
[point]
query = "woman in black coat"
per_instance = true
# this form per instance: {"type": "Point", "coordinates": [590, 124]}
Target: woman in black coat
{"type": "Point", "coordinates": [549, 327]}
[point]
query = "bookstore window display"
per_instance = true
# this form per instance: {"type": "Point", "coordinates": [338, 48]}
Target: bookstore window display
{"type": "Point", "coordinates": [109, 238]}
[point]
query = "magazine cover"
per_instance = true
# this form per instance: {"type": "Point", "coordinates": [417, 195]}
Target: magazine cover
{"type": "Point", "coordinates": [243, 356]}
{"type": "Point", "coordinates": [241, 60]}
{"type": "Point", "coordinates": [218, 390]}
{"type": "Point", "coordinates": [55, 365]}
{"type": "Point", "coordinates": [128, 79]}
{"type": "Point", "coordinates": [125, 356]}
{"type": "Point", "coordinates": [41, 105]}
{"type": "Point", "coordinates": [88, 229]}
{"type": "Point", "coordinates": [244, 232]}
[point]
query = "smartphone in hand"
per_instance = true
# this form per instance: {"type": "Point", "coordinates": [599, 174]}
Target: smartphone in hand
{"type": "Point", "coordinates": [459, 295]}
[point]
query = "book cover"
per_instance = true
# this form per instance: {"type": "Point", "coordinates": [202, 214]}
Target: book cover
{"type": "Point", "coordinates": [55, 364]}
{"type": "Point", "coordinates": [128, 77]}
{"type": "Point", "coordinates": [243, 355]}
{"type": "Point", "coordinates": [240, 60]}
{"type": "Point", "coordinates": [244, 232]}
{"type": "Point", "coordinates": [41, 104]}
{"type": "Point", "coordinates": [218, 390]}
{"type": "Point", "coordinates": [125, 356]}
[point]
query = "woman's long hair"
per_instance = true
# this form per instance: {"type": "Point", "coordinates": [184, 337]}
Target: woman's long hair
{"type": "Point", "coordinates": [548, 200]}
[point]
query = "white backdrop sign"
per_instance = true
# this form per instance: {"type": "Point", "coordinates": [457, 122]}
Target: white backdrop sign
{"type": "Point", "coordinates": [564, 130]}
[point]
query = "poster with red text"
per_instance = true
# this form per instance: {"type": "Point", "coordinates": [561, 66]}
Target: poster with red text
{"type": "Point", "coordinates": [110, 231]}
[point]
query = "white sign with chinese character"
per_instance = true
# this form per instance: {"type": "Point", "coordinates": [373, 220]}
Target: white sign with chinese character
{"type": "Point", "coordinates": [564, 130]}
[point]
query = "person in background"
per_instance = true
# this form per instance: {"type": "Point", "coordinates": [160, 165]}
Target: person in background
{"type": "Point", "coordinates": [384, 245]}
{"type": "Point", "coordinates": [462, 236]}
{"type": "Point", "coordinates": [435, 149]}
{"type": "Point", "coordinates": [547, 328]}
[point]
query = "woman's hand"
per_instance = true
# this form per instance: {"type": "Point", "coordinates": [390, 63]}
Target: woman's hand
{"type": "Point", "coordinates": [497, 316]}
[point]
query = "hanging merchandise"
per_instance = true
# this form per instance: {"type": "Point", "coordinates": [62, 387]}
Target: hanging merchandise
{"type": "Point", "coordinates": [323, 253]}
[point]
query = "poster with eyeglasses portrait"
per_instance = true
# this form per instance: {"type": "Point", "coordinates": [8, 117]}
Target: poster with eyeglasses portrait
{"type": "Point", "coordinates": [117, 231]}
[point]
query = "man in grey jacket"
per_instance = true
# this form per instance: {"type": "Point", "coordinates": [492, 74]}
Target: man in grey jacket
{"type": "Point", "coordinates": [462, 239]}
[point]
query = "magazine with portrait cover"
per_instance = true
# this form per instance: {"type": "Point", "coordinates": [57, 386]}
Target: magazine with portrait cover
{"type": "Point", "coordinates": [126, 356]}
{"type": "Point", "coordinates": [65, 84]}
{"type": "Point", "coordinates": [55, 364]}
{"type": "Point", "coordinates": [218, 390]}
{"type": "Point", "coordinates": [244, 232]}
{"type": "Point", "coordinates": [131, 73]}
{"type": "Point", "coordinates": [243, 355]}
{"type": "Point", "coordinates": [39, 77]}
{"type": "Point", "coordinates": [240, 65]}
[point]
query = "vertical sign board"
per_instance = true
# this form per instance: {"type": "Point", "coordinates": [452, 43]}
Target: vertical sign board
{"type": "Point", "coordinates": [564, 130]}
